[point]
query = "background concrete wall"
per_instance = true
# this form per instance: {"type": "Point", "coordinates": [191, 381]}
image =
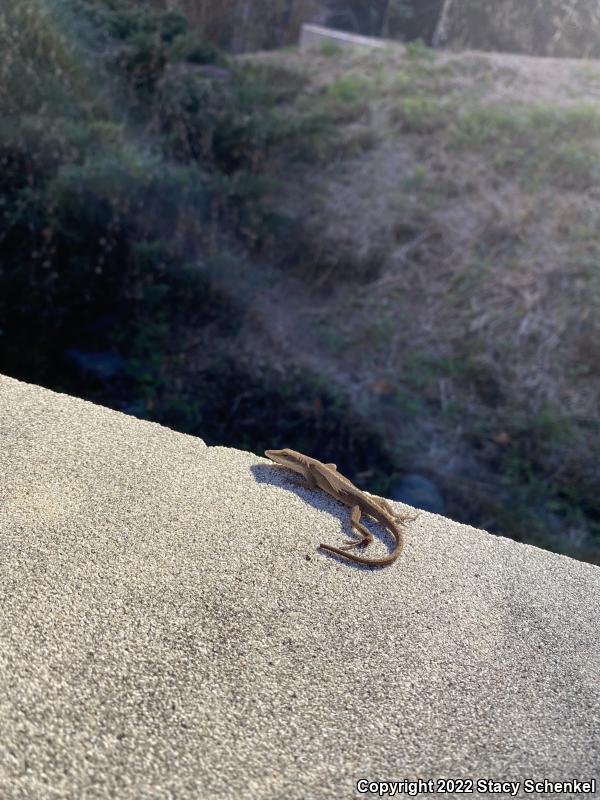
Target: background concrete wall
{"type": "Point", "coordinates": [314, 36]}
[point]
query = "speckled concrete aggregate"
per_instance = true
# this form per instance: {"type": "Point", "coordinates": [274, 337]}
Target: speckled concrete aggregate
{"type": "Point", "coordinates": [168, 629]}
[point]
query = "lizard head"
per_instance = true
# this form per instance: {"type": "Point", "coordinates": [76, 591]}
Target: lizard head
{"type": "Point", "coordinates": [287, 458]}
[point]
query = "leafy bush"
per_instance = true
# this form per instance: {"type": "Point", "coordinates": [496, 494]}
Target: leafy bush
{"type": "Point", "coordinates": [418, 49]}
{"type": "Point", "coordinates": [259, 122]}
{"type": "Point", "coordinates": [190, 109]}
{"type": "Point", "coordinates": [190, 47]}
{"type": "Point", "coordinates": [83, 205]}
{"type": "Point", "coordinates": [419, 114]}
{"type": "Point", "coordinates": [121, 163]}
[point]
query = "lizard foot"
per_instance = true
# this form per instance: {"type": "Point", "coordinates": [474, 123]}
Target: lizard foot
{"type": "Point", "coordinates": [350, 544]}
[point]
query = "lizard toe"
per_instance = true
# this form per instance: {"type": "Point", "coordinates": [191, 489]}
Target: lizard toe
{"type": "Point", "coordinates": [350, 544]}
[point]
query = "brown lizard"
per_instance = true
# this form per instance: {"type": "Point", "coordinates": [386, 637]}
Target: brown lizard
{"type": "Point", "coordinates": [326, 477]}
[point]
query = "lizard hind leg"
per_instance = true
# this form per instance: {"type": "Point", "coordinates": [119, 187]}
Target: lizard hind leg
{"type": "Point", "coordinates": [366, 535]}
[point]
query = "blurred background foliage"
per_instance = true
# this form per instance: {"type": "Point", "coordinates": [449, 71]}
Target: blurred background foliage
{"type": "Point", "coordinates": [563, 28]}
{"type": "Point", "coordinates": [137, 160]}
{"type": "Point", "coordinates": [140, 163]}
{"type": "Point", "coordinates": [124, 167]}
{"type": "Point", "coordinates": [568, 28]}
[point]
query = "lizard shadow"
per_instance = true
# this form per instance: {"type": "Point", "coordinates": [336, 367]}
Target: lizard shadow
{"type": "Point", "coordinates": [278, 476]}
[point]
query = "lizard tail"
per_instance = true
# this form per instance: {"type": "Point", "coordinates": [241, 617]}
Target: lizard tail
{"type": "Point", "coordinates": [369, 562]}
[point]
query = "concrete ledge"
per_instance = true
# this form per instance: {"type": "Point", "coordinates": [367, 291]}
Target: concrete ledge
{"type": "Point", "coordinates": [313, 36]}
{"type": "Point", "coordinates": [170, 630]}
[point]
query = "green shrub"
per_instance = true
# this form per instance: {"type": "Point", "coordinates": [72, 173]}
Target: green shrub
{"type": "Point", "coordinates": [265, 85]}
{"type": "Point", "coordinates": [190, 47]}
{"type": "Point", "coordinates": [419, 114]}
{"type": "Point", "coordinates": [40, 67]}
{"type": "Point", "coordinates": [260, 120]}
{"type": "Point", "coordinates": [123, 21]}
{"type": "Point", "coordinates": [418, 49]}
{"type": "Point", "coordinates": [172, 24]}
{"type": "Point", "coordinates": [190, 107]}
{"type": "Point", "coordinates": [349, 89]}
{"type": "Point", "coordinates": [119, 165]}
{"type": "Point", "coordinates": [143, 60]}
{"type": "Point", "coordinates": [330, 49]}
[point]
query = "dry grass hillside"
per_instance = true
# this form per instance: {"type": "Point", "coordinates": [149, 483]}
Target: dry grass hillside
{"type": "Point", "coordinates": [448, 283]}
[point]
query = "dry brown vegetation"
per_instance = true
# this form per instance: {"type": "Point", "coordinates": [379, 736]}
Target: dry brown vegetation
{"type": "Point", "coordinates": [450, 281]}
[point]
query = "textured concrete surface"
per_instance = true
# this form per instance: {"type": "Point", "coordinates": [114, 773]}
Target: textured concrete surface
{"type": "Point", "coordinates": [169, 630]}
